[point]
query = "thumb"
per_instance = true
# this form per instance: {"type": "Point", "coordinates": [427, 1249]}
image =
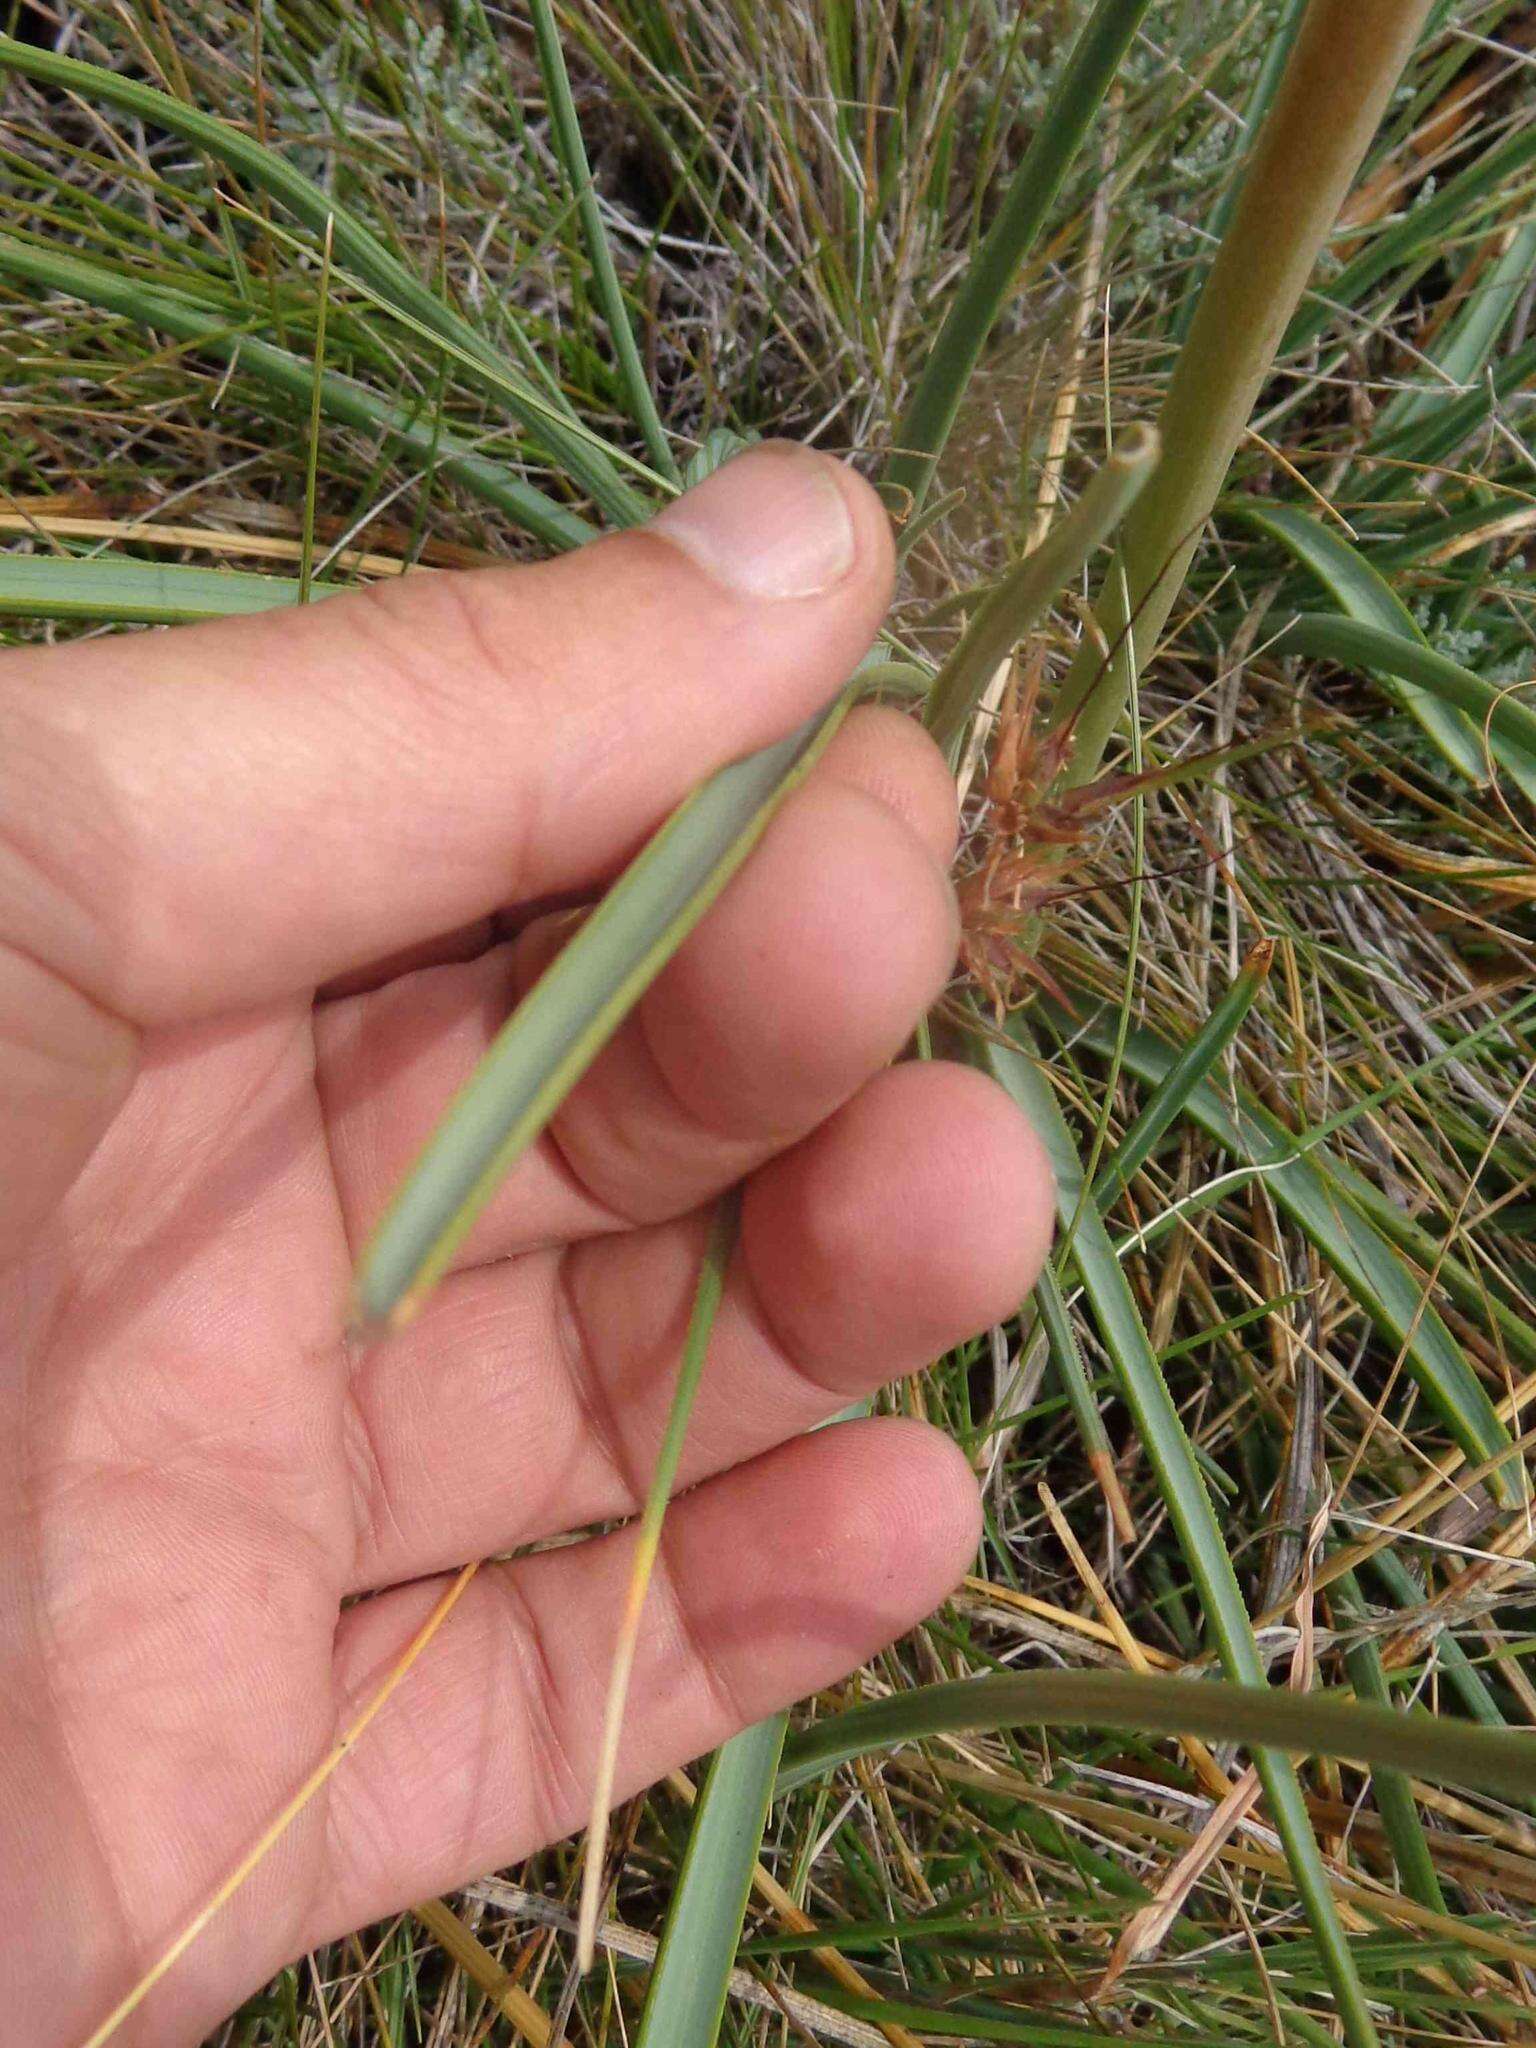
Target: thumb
{"type": "Point", "coordinates": [213, 816]}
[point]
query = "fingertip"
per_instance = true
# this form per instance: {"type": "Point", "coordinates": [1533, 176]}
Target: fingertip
{"type": "Point", "coordinates": [918, 1215]}
{"type": "Point", "coordinates": [887, 754]}
{"type": "Point", "coordinates": [925, 1506]}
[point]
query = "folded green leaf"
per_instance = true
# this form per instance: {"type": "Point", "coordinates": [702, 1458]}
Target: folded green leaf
{"type": "Point", "coordinates": [569, 1016]}
{"type": "Point", "coordinates": [1508, 720]}
{"type": "Point", "coordinates": [124, 592]}
{"type": "Point", "coordinates": [698, 1943]}
{"type": "Point", "coordinates": [1360, 593]}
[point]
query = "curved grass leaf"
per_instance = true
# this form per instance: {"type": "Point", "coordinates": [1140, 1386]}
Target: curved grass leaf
{"type": "Point", "coordinates": [1417, 239]}
{"type": "Point", "coordinates": [1167, 1446]}
{"type": "Point", "coordinates": [931, 413]}
{"type": "Point", "coordinates": [581, 453]}
{"type": "Point", "coordinates": [703, 1927]}
{"type": "Point", "coordinates": [1508, 720]}
{"type": "Point", "coordinates": [1304, 1185]}
{"type": "Point", "coordinates": [341, 398]}
{"type": "Point", "coordinates": [121, 591]}
{"type": "Point", "coordinates": [1014, 605]}
{"type": "Point", "coordinates": [1361, 593]}
{"type": "Point", "coordinates": [568, 1017]}
{"type": "Point", "coordinates": [1431, 1746]}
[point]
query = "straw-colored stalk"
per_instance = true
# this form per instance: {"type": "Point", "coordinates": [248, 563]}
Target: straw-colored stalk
{"type": "Point", "coordinates": [1347, 58]}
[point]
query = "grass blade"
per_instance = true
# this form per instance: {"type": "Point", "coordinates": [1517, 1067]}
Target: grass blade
{"type": "Point", "coordinates": [1305, 1184]}
{"type": "Point", "coordinates": [568, 1017]}
{"type": "Point", "coordinates": [1468, 344]}
{"type": "Point", "coordinates": [124, 592]}
{"type": "Point", "coordinates": [698, 1944]}
{"type": "Point", "coordinates": [1167, 1446]}
{"type": "Point", "coordinates": [1343, 66]}
{"type": "Point", "coordinates": [1009, 611]}
{"type": "Point", "coordinates": [1391, 1789]}
{"type": "Point", "coordinates": [566, 132]}
{"type": "Point", "coordinates": [1431, 1746]}
{"type": "Point", "coordinates": [342, 398]}
{"type": "Point", "coordinates": [1065, 1357]}
{"type": "Point", "coordinates": [580, 452]}
{"type": "Point", "coordinates": [1167, 1099]}
{"type": "Point", "coordinates": [706, 1302]}
{"type": "Point", "coordinates": [931, 413]}
{"type": "Point", "coordinates": [1360, 592]}
{"type": "Point", "coordinates": [1495, 710]}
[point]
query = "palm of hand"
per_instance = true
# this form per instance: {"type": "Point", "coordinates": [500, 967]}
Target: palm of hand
{"type": "Point", "coordinates": [203, 1468]}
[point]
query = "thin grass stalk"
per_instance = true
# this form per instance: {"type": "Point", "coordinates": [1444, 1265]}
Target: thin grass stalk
{"type": "Point", "coordinates": [1392, 1790]}
{"type": "Point", "coordinates": [701, 1323]}
{"type": "Point", "coordinates": [572, 151]}
{"type": "Point", "coordinates": [992, 274]}
{"type": "Point", "coordinates": [1345, 62]}
{"type": "Point", "coordinates": [581, 453]}
{"type": "Point", "coordinates": [316, 414]}
{"type": "Point", "coordinates": [342, 398]}
{"type": "Point", "coordinates": [1021, 599]}
{"type": "Point", "coordinates": [1168, 1449]}
{"type": "Point", "coordinates": [1321, 1195]}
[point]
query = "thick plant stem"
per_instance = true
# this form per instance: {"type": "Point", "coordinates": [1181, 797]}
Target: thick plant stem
{"type": "Point", "coordinates": [1348, 57]}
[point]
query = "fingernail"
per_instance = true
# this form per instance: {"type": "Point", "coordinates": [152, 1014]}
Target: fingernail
{"type": "Point", "coordinates": [773, 523]}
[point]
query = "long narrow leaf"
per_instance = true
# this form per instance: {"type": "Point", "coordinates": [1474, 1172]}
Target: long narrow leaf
{"type": "Point", "coordinates": [1308, 1186]}
{"type": "Point", "coordinates": [124, 592]}
{"type": "Point", "coordinates": [579, 451]}
{"type": "Point", "coordinates": [701, 1323]}
{"type": "Point", "coordinates": [1167, 1446]}
{"type": "Point", "coordinates": [1360, 592]}
{"type": "Point", "coordinates": [1167, 1099]}
{"type": "Point", "coordinates": [1089, 72]}
{"type": "Point", "coordinates": [566, 132]}
{"type": "Point", "coordinates": [1447, 1752]}
{"type": "Point", "coordinates": [568, 1017]}
{"type": "Point", "coordinates": [1353, 643]}
{"type": "Point", "coordinates": [342, 398]}
{"type": "Point", "coordinates": [698, 1943]}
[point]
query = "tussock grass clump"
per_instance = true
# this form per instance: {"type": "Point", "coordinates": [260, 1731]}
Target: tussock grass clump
{"type": "Point", "coordinates": [525, 269]}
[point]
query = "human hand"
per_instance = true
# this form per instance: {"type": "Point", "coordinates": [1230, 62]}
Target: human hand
{"type": "Point", "coordinates": [228, 1017]}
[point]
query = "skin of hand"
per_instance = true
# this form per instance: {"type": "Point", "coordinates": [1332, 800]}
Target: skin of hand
{"type": "Point", "coordinates": [267, 889]}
